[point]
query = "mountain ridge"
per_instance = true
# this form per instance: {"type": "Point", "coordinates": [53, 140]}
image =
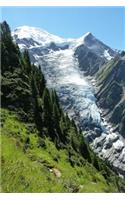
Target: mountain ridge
{"type": "Point", "coordinates": [44, 38]}
{"type": "Point", "coordinates": [38, 138]}
{"type": "Point", "coordinates": [65, 69]}
{"type": "Point", "coordinates": [111, 91]}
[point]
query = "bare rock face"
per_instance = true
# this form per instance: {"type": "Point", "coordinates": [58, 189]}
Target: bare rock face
{"type": "Point", "coordinates": [111, 92]}
{"type": "Point", "coordinates": [64, 63]}
{"type": "Point", "coordinates": [92, 54]}
{"type": "Point", "coordinates": [89, 62]}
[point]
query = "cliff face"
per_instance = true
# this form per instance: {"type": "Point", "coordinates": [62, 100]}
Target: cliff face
{"type": "Point", "coordinates": [42, 149]}
{"type": "Point", "coordinates": [92, 54]}
{"type": "Point", "coordinates": [64, 63]}
{"type": "Point", "coordinates": [111, 92]}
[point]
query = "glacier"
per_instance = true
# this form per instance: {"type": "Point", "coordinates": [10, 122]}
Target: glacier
{"type": "Point", "coordinates": [63, 75]}
{"type": "Point", "coordinates": [76, 95]}
{"type": "Point", "coordinates": [76, 92]}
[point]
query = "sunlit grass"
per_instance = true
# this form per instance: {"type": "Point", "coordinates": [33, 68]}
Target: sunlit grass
{"type": "Point", "coordinates": [28, 169]}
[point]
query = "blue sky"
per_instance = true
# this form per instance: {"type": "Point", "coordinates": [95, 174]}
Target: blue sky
{"type": "Point", "coordinates": [106, 23]}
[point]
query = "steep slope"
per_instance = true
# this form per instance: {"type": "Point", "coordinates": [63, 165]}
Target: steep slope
{"type": "Point", "coordinates": [92, 54]}
{"type": "Point", "coordinates": [36, 134]}
{"type": "Point", "coordinates": [59, 64]}
{"type": "Point", "coordinates": [62, 70]}
{"type": "Point", "coordinates": [111, 92]}
{"type": "Point", "coordinates": [33, 164]}
{"type": "Point", "coordinates": [98, 47]}
{"type": "Point", "coordinates": [36, 37]}
{"type": "Point", "coordinates": [24, 90]}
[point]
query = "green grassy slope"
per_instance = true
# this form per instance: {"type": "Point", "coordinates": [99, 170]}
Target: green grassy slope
{"type": "Point", "coordinates": [31, 164]}
{"type": "Point", "coordinates": [42, 149]}
{"type": "Point", "coordinates": [111, 93]}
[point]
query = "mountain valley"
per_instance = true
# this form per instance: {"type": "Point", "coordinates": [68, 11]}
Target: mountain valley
{"type": "Point", "coordinates": [67, 64]}
{"type": "Point", "coordinates": [63, 113]}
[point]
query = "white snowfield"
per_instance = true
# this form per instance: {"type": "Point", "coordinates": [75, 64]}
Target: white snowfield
{"type": "Point", "coordinates": [41, 36]}
{"type": "Point", "coordinates": [107, 55]}
{"type": "Point", "coordinates": [44, 39]}
{"type": "Point", "coordinates": [76, 94]}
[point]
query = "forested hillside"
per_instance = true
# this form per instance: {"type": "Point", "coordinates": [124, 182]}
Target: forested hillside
{"type": "Point", "coordinates": [42, 149]}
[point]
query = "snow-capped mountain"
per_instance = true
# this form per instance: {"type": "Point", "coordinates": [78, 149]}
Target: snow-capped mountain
{"type": "Point", "coordinates": [37, 37]}
{"type": "Point", "coordinates": [40, 37]}
{"type": "Point", "coordinates": [92, 54]}
{"type": "Point", "coordinates": [63, 62]}
{"type": "Point", "coordinates": [98, 47]}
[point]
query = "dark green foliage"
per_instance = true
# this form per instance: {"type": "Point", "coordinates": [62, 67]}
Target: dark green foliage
{"type": "Point", "coordinates": [24, 91]}
{"type": "Point", "coordinates": [27, 63]}
{"type": "Point", "coordinates": [9, 51]}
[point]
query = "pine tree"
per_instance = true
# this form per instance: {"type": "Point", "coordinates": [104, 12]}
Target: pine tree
{"type": "Point", "coordinates": [9, 50]}
{"type": "Point", "coordinates": [27, 61]}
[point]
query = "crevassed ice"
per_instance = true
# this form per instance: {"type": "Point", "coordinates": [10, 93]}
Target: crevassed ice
{"type": "Point", "coordinates": [76, 95]}
{"type": "Point", "coordinates": [77, 98]}
{"type": "Point", "coordinates": [62, 73]}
